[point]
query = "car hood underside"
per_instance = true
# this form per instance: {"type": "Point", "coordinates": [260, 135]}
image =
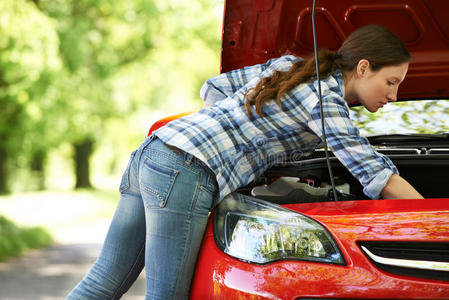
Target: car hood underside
{"type": "Point", "coordinates": [256, 30]}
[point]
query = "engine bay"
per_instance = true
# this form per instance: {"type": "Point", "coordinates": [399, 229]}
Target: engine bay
{"type": "Point", "coordinates": [308, 180]}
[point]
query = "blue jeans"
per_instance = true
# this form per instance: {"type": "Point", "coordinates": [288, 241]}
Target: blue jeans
{"type": "Point", "coordinates": [165, 198]}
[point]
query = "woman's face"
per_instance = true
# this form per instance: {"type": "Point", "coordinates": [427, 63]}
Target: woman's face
{"type": "Point", "coordinates": [375, 89]}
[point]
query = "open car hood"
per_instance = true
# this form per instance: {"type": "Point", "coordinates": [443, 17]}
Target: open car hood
{"type": "Point", "coordinates": [257, 30]}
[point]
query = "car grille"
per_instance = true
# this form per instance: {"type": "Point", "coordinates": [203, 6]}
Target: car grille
{"type": "Point", "coordinates": [416, 259]}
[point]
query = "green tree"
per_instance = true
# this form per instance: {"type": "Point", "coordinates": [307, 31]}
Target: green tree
{"type": "Point", "coordinates": [102, 41]}
{"type": "Point", "coordinates": [72, 70]}
{"type": "Point", "coordinates": [28, 58]}
{"type": "Point", "coordinates": [421, 117]}
{"type": "Point", "coordinates": [97, 38]}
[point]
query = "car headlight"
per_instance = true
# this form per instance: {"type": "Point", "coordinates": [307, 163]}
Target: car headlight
{"type": "Point", "coordinates": [257, 231]}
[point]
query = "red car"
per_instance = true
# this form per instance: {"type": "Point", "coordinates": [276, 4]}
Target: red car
{"type": "Point", "coordinates": [278, 242]}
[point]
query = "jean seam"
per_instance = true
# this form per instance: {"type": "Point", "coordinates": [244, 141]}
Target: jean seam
{"type": "Point", "coordinates": [195, 199]}
{"type": "Point", "coordinates": [125, 184]}
{"type": "Point", "coordinates": [142, 149]}
{"type": "Point", "coordinates": [188, 232]}
{"type": "Point", "coordinates": [182, 258]}
{"type": "Point", "coordinates": [118, 290]}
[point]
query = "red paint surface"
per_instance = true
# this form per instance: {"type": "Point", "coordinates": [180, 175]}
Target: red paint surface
{"type": "Point", "coordinates": [164, 121]}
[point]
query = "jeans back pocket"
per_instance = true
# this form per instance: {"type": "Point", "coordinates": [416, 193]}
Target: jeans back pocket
{"type": "Point", "coordinates": [156, 181]}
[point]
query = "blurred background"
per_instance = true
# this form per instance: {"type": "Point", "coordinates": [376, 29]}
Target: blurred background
{"type": "Point", "coordinates": [81, 81]}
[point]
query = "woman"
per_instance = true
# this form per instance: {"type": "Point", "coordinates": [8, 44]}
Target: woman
{"type": "Point", "coordinates": [251, 115]}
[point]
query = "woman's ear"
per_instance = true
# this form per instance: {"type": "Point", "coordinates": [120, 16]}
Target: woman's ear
{"type": "Point", "coordinates": [362, 68]}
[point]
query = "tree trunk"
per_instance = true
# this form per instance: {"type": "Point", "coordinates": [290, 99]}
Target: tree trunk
{"type": "Point", "coordinates": [37, 168]}
{"type": "Point", "coordinates": [3, 172]}
{"type": "Point", "coordinates": [83, 151]}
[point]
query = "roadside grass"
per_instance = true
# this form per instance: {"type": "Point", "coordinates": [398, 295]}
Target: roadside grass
{"type": "Point", "coordinates": [39, 219]}
{"type": "Point", "coordinates": [15, 240]}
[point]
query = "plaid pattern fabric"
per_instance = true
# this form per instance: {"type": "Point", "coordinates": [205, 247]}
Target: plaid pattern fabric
{"type": "Point", "coordinates": [239, 149]}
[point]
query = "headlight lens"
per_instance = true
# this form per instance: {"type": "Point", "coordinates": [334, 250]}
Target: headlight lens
{"type": "Point", "coordinates": [260, 232]}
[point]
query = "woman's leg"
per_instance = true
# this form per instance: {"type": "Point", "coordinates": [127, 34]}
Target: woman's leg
{"type": "Point", "coordinates": [177, 191]}
{"type": "Point", "coordinates": [122, 256]}
{"type": "Point", "coordinates": [163, 209]}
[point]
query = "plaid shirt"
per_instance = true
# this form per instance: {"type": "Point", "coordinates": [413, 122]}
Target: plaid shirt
{"type": "Point", "coordinates": [239, 149]}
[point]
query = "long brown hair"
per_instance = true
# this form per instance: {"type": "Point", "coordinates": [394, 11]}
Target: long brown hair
{"type": "Point", "coordinates": [374, 43]}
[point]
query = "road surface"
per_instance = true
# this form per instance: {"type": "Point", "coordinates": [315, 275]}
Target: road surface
{"type": "Point", "coordinates": [49, 274]}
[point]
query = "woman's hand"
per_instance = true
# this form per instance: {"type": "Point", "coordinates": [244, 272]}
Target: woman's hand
{"type": "Point", "coordinates": [398, 188]}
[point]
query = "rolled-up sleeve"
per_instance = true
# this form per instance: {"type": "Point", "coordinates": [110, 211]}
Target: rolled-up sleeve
{"type": "Point", "coordinates": [371, 168]}
{"type": "Point", "coordinates": [226, 84]}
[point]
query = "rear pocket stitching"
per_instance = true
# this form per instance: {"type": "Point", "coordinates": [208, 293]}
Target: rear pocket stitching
{"type": "Point", "coordinates": [163, 197]}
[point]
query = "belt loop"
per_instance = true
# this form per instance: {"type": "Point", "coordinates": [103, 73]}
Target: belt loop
{"type": "Point", "coordinates": [140, 150]}
{"type": "Point", "coordinates": [189, 158]}
{"type": "Point", "coordinates": [149, 139]}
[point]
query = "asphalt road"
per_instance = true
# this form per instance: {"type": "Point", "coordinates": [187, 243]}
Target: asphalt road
{"type": "Point", "coordinates": [51, 273]}
{"type": "Point", "coordinates": [78, 223]}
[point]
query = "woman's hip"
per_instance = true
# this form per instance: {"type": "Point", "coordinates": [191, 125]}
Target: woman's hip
{"type": "Point", "coordinates": [173, 179]}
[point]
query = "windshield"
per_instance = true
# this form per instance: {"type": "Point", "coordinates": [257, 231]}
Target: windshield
{"type": "Point", "coordinates": [411, 117]}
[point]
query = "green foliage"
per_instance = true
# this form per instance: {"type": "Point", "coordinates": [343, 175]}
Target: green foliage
{"type": "Point", "coordinates": [15, 240]}
{"type": "Point", "coordinates": [28, 57]}
{"type": "Point", "coordinates": [427, 116]}
{"type": "Point", "coordinates": [77, 70]}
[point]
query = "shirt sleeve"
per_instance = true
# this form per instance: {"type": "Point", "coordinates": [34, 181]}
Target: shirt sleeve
{"type": "Point", "coordinates": [371, 168]}
{"type": "Point", "coordinates": [226, 84]}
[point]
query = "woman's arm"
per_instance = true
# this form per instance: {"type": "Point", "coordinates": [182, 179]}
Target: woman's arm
{"type": "Point", "coordinates": [398, 188]}
{"type": "Point", "coordinates": [376, 172]}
